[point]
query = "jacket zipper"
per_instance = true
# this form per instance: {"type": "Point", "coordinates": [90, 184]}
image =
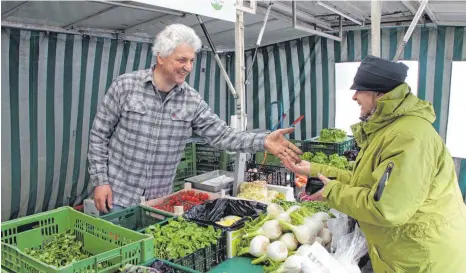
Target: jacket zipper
{"type": "Point", "coordinates": [383, 181]}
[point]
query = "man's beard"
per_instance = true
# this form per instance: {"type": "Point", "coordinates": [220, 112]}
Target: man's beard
{"type": "Point", "coordinates": [367, 116]}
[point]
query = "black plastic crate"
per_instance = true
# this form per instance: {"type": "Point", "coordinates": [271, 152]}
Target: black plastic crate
{"type": "Point", "coordinates": [328, 148]}
{"type": "Point", "coordinates": [274, 175]}
{"type": "Point", "coordinates": [203, 259]}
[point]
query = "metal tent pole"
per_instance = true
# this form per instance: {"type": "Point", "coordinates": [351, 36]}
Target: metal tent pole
{"type": "Point", "coordinates": [240, 163]}
{"type": "Point", "coordinates": [410, 30]}
{"type": "Point", "coordinates": [375, 27]}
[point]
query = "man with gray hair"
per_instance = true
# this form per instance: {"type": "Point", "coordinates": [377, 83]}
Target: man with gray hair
{"type": "Point", "coordinates": [142, 125]}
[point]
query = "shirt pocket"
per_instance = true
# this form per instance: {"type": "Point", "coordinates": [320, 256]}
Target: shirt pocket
{"type": "Point", "coordinates": [181, 122]}
{"type": "Point", "coordinates": [136, 122]}
{"type": "Point", "coordinates": [135, 106]}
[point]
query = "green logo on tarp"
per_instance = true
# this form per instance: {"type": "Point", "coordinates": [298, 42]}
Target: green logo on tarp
{"type": "Point", "coordinates": [217, 4]}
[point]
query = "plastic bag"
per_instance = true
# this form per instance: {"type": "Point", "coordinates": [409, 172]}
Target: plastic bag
{"type": "Point", "coordinates": [214, 210]}
{"type": "Point", "coordinates": [351, 248]}
{"type": "Point", "coordinates": [339, 226]}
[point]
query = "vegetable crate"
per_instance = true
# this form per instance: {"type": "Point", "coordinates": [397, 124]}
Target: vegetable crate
{"type": "Point", "coordinates": [328, 148]}
{"type": "Point", "coordinates": [187, 187]}
{"type": "Point", "coordinates": [274, 175]}
{"type": "Point", "coordinates": [203, 259]}
{"type": "Point", "coordinates": [189, 153]}
{"type": "Point", "coordinates": [209, 158]}
{"type": "Point", "coordinates": [185, 170]}
{"type": "Point", "coordinates": [136, 218]}
{"type": "Point", "coordinates": [111, 246]}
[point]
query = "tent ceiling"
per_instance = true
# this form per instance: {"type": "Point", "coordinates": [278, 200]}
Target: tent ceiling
{"type": "Point", "coordinates": [95, 16]}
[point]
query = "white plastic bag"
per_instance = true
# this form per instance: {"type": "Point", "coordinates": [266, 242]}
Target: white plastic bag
{"type": "Point", "coordinates": [339, 226]}
{"type": "Point", "coordinates": [351, 248]}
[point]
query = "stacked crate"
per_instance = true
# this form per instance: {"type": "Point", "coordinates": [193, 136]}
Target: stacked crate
{"type": "Point", "coordinates": [209, 159]}
{"type": "Point", "coordinates": [187, 166]}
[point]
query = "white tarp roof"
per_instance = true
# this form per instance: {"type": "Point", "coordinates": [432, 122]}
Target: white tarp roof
{"type": "Point", "coordinates": [131, 23]}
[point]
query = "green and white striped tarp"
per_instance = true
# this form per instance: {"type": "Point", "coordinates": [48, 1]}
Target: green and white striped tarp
{"type": "Point", "coordinates": [52, 84]}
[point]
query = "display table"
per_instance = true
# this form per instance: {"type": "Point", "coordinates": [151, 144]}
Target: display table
{"type": "Point", "coordinates": [237, 264]}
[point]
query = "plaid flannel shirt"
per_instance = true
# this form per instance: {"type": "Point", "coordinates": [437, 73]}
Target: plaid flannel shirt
{"type": "Point", "coordinates": [137, 140]}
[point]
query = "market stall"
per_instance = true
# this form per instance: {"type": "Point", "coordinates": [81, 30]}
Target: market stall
{"type": "Point", "coordinates": [229, 212]}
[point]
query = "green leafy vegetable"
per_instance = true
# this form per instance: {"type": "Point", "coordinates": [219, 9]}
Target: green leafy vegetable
{"type": "Point", "coordinates": [332, 135]}
{"type": "Point", "coordinates": [340, 162]}
{"type": "Point", "coordinates": [62, 250]}
{"type": "Point", "coordinates": [180, 238]}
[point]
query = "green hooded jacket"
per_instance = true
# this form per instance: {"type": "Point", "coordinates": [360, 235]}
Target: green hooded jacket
{"type": "Point", "coordinates": [416, 223]}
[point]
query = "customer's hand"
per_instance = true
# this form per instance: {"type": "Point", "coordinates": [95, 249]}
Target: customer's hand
{"type": "Point", "coordinates": [301, 168]}
{"type": "Point", "coordinates": [277, 144]}
{"type": "Point", "coordinates": [103, 197]}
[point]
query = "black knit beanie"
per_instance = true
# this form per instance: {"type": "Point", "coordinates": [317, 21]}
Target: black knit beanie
{"type": "Point", "coordinates": [379, 75]}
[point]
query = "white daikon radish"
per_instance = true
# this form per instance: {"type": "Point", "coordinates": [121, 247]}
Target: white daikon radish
{"type": "Point", "coordinates": [289, 239]}
{"type": "Point", "coordinates": [276, 252]}
{"type": "Point", "coordinates": [257, 246]}
{"type": "Point", "coordinates": [271, 229]}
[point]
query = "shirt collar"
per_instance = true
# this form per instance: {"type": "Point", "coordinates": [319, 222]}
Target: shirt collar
{"type": "Point", "coordinates": [148, 79]}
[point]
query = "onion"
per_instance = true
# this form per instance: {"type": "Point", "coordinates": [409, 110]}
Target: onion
{"type": "Point", "coordinates": [276, 252]}
{"type": "Point", "coordinates": [290, 241]}
{"type": "Point", "coordinates": [271, 229]}
{"type": "Point", "coordinates": [257, 246]}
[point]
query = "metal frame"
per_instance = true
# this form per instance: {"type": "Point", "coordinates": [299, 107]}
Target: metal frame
{"type": "Point", "coordinates": [310, 30]}
{"type": "Point", "coordinates": [12, 10]}
{"type": "Point", "coordinates": [111, 34]}
{"type": "Point", "coordinates": [341, 13]}
{"type": "Point", "coordinates": [217, 58]}
{"type": "Point", "coordinates": [120, 4]}
{"type": "Point", "coordinates": [432, 16]}
{"type": "Point", "coordinates": [251, 9]}
{"type": "Point", "coordinates": [409, 5]}
{"type": "Point", "coordinates": [410, 30]}
{"type": "Point", "coordinates": [161, 19]}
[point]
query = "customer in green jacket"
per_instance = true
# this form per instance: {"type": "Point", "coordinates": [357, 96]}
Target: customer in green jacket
{"type": "Point", "coordinates": [403, 190]}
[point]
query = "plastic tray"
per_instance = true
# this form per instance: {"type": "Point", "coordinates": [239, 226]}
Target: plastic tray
{"type": "Point", "coordinates": [111, 246]}
{"type": "Point", "coordinates": [213, 181]}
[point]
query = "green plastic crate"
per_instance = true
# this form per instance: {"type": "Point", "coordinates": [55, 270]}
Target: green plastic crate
{"type": "Point", "coordinates": [111, 246]}
{"type": "Point", "coordinates": [189, 152]}
{"type": "Point", "coordinates": [184, 170]}
{"type": "Point", "coordinates": [328, 148]}
{"type": "Point", "coordinates": [136, 218]}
